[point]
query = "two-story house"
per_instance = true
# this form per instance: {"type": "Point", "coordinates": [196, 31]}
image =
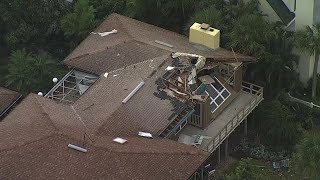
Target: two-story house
{"type": "Point", "coordinates": [140, 102]}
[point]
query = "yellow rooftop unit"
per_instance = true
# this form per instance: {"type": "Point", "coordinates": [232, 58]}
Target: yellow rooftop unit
{"type": "Point", "coordinates": [205, 35]}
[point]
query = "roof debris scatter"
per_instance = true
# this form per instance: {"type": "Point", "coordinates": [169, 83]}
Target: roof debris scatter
{"type": "Point", "coordinates": [102, 34]}
{"type": "Point", "coordinates": [77, 148]}
{"type": "Point", "coordinates": [145, 134]}
{"type": "Point", "coordinates": [120, 140]}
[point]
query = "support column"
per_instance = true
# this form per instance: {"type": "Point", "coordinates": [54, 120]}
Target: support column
{"type": "Point", "coordinates": [226, 144]}
{"type": "Point", "coordinates": [219, 154]}
{"type": "Point", "coordinates": [246, 126]}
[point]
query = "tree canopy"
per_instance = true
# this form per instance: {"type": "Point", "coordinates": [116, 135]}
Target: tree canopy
{"type": "Point", "coordinates": [30, 72]}
{"type": "Point", "coordinates": [307, 157]}
{"type": "Point", "coordinates": [77, 25]}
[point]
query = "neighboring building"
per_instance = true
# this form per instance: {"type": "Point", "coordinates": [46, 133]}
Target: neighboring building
{"type": "Point", "coordinates": [295, 14]}
{"type": "Point", "coordinates": [8, 99]}
{"type": "Point", "coordinates": [189, 96]}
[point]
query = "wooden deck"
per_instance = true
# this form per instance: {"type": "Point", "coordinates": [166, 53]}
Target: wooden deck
{"type": "Point", "coordinates": [227, 121]}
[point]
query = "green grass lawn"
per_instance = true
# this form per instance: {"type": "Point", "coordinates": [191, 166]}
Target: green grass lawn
{"type": "Point", "coordinates": [262, 170]}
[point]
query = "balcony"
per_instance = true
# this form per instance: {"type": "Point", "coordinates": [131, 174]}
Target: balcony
{"type": "Point", "coordinates": [212, 136]}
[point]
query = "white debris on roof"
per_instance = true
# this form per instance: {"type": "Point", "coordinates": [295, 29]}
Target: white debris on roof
{"type": "Point", "coordinates": [169, 68]}
{"type": "Point", "coordinates": [133, 92]}
{"type": "Point", "coordinates": [102, 34]}
{"type": "Point", "coordinates": [200, 62]}
{"type": "Point", "coordinates": [120, 140]}
{"type": "Point", "coordinates": [77, 148]}
{"type": "Point", "coordinates": [106, 75]}
{"type": "Point", "coordinates": [163, 43]}
{"type": "Point", "coordinates": [145, 134]}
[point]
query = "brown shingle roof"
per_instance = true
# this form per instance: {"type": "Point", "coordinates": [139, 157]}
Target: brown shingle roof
{"type": "Point", "coordinates": [49, 158]}
{"type": "Point", "coordinates": [107, 115]}
{"type": "Point", "coordinates": [134, 42]}
{"type": "Point", "coordinates": [35, 135]}
{"type": "Point", "coordinates": [7, 97]}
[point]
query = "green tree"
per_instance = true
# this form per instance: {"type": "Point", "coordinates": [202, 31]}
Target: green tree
{"type": "Point", "coordinates": [309, 40]}
{"type": "Point", "coordinates": [106, 7]}
{"type": "Point", "coordinates": [252, 35]}
{"type": "Point", "coordinates": [33, 24]}
{"type": "Point", "coordinates": [30, 72]}
{"type": "Point", "coordinates": [306, 160]}
{"type": "Point", "coordinates": [242, 172]}
{"type": "Point", "coordinates": [77, 25]}
{"type": "Point", "coordinates": [277, 124]}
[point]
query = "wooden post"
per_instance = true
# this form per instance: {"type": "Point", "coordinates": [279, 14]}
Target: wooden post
{"type": "Point", "coordinates": [201, 173]}
{"type": "Point", "coordinates": [246, 126]}
{"type": "Point", "coordinates": [226, 144]}
{"type": "Point", "coordinates": [219, 154]}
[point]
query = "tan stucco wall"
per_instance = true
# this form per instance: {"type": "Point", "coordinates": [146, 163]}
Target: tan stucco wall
{"type": "Point", "coordinates": [304, 17]}
{"type": "Point", "coordinates": [304, 13]}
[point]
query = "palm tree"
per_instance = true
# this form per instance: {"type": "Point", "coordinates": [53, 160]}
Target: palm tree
{"type": "Point", "coordinates": [252, 35]}
{"type": "Point", "coordinates": [80, 22]}
{"type": "Point", "coordinates": [30, 72]}
{"type": "Point", "coordinates": [309, 40]}
{"type": "Point", "coordinates": [20, 76]}
{"type": "Point", "coordinates": [277, 124]}
{"type": "Point", "coordinates": [307, 157]}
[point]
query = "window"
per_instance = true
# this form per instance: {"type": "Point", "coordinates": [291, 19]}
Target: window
{"type": "Point", "coordinates": [218, 94]}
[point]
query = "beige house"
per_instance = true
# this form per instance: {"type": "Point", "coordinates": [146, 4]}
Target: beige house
{"type": "Point", "coordinates": [295, 14]}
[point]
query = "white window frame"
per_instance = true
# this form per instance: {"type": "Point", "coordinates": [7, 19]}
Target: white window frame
{"type": "Point", "coordinates": [213, 100]}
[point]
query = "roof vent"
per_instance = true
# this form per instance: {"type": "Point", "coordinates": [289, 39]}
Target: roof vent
{"type": "Point", "coordinates": [77, 148]}
{"type": "Point", "coordinates": [204, 26]}
{"type": "Point", "coordinates": [119, 140]}
{"type": "Point", "coordinates": [145, 134]}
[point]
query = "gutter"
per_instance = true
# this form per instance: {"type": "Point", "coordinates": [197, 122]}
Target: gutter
{"type": "Point", "coordinates": [14, 102]}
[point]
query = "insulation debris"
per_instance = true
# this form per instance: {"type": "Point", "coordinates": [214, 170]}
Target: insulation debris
{"type": "Point", "coordinates": [102, 34]}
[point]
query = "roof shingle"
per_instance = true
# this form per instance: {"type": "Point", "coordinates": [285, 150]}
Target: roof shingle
{"type": "Point", "coordinates": [7, 97]}
{"type": "Point", "coordinates": [135, 42]}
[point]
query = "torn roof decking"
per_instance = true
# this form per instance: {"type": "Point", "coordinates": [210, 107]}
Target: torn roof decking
{"type": "Point", "coordinates": [136, 42]}
{"type": "Point", "coordinates": [35, 135]}
{"type": "Point", "coordinates": [7, 98]}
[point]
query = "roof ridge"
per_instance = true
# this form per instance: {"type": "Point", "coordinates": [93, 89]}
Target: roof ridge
{"type": "Point", "coordinates": [144, 23]}
{"type": "Point", "coordinates": [45, 112]}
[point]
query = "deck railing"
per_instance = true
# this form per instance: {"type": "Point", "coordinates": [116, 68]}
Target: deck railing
{"type": "Point", "coordinates": [238, 118]}
{"type": "Point", "coordinates": [195, 120]}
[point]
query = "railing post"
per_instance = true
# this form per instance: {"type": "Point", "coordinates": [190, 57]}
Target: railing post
{"type": "Point", "coordinates": [245, 126]}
